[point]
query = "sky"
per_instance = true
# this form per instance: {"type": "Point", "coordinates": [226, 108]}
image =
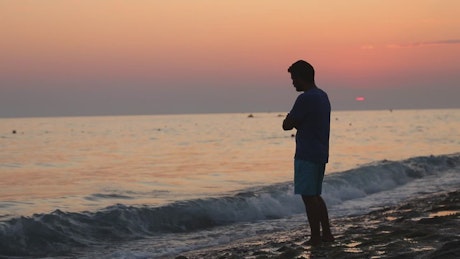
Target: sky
{"type": "Point", "coordinates": [121, 57]}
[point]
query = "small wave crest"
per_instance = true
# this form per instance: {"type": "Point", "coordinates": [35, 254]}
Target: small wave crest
{"type": "Point", "coordinates": [385, 175]}
{"type": "Point", "coordinates": [61, 232]}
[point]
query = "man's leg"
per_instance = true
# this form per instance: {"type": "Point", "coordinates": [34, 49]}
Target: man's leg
{"type": "Point", "coordinates": [324, 219]}
{"type": "Point", "coordinates": [312, 207]}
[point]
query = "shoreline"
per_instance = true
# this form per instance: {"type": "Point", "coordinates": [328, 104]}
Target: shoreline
{"type": "Point", "coordinates": [423, 227]}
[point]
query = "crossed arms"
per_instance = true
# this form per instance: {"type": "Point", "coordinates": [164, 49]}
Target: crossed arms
{"type": "Point", "coordinates": [289, 123]}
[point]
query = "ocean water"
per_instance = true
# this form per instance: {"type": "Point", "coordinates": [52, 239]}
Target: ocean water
{"type": "Point", "coordinates": [153, 186]}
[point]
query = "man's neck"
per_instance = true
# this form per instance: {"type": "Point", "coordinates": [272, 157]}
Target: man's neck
{"type": "Point", "coordinates": [309, 87]}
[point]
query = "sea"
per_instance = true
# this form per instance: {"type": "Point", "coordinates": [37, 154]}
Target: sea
{"type": "Point", "coordinates": [160, 185]}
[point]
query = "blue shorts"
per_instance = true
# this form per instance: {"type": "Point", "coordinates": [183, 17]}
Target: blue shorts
{"type": "Point", "coordinates": [308, 177]}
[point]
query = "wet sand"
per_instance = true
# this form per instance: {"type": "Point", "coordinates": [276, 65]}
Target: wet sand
{"type": "Point", "coordinates": [424, 227]}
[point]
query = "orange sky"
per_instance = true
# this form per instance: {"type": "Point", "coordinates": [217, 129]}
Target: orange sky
{"type": "Point", "coordinates": [129, 50]}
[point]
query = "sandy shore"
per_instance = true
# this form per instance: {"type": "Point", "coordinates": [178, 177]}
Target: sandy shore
{"type": "Point", "coordinates": [425, 227]}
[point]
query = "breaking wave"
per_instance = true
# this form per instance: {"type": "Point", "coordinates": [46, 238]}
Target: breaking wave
{"type": "Point", "coordinates": [60, 233]}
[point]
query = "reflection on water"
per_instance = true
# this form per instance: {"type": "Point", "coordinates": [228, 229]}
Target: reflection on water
{"type": "Point", "coordinates": [352, 247]}
{"type": "Point", "coordinates": [83, 163]}
{"type": "Point", "coordinates": [443, 213]}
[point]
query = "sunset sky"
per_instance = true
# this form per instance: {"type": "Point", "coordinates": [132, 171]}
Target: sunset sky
{"type": "Point", "coordinates": [67, 58]}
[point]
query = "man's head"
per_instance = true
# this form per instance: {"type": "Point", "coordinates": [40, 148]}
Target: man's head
{"type": "Point", "coordinates": [302, 75]}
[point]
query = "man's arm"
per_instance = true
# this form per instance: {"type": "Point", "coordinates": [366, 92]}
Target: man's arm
{"type": "Point", "coordinates": [289, 123]}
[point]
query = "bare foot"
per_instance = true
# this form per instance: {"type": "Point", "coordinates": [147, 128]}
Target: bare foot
{"type": "Point", "coordinates": [328, 238]}
{"type": "Point", "coordinates": [313, 242]}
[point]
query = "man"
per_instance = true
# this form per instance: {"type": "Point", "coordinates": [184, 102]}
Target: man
{"type": "Point", "coordinates": [310, 116]}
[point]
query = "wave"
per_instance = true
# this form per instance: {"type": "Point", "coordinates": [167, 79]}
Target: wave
{"type": "Point", "coordinates": [60, 233]}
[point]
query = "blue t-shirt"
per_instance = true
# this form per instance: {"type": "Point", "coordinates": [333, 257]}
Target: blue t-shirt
{"type": "Point", "coordinates": [312, 113]}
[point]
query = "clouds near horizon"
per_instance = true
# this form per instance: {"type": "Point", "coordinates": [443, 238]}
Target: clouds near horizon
{"type": "Point", "coordinates": [426, 43]}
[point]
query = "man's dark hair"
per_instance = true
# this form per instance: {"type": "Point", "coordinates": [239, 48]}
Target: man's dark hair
{"type": "Point", "coordinates": [303, 70]}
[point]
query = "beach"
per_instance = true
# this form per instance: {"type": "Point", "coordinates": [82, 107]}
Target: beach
{"type": "Point", "coordinates": [424, 227]}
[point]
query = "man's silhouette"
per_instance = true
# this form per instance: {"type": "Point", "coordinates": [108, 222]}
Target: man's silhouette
{"type": "Point", "coordinates": [310, 116]}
